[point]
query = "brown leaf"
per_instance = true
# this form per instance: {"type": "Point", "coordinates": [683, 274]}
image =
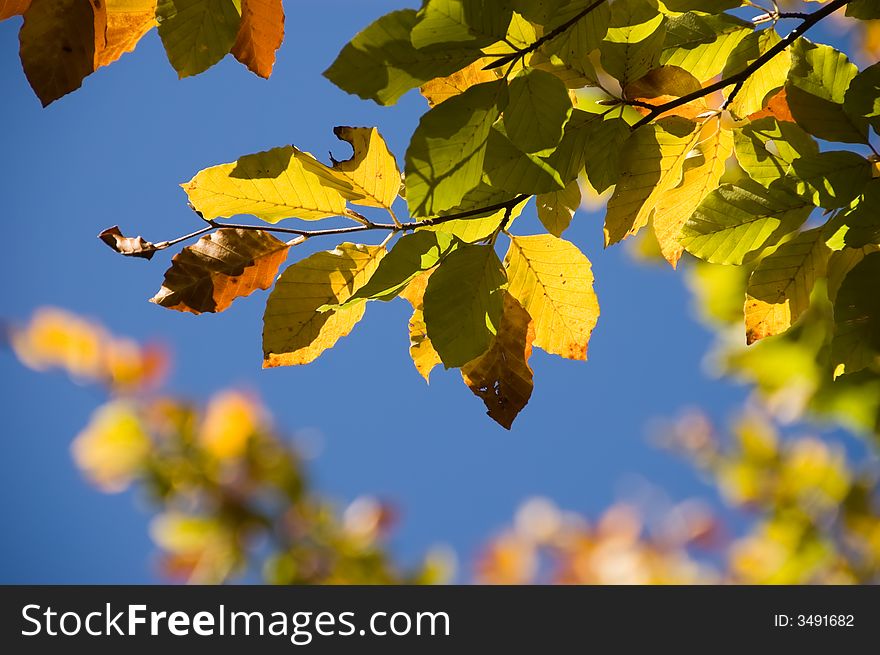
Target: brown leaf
{"type": "Point", "coordinates": [777, 107]}
{"type": "Point", "coordinates": [126, 22]}
{"type": "Point", "coordinates": [260, 35]}
{"type": "Point", "coordinates": [502, 376]}
{"type": "Point", "coordinates": [128, 246]}
{"type": "Point", "coordinates": [225, 265]}
{"type": "Point", "coordinates": [58, 44]}
{"type": "Point", "coordinates": [663, 85]}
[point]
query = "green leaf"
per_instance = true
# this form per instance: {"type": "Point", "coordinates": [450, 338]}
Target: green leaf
{"type": "Point", "coordinates": [555, 210]}
{"type": "Point", "coordinates": [863, 96]}
{"type": "Point", "coordinates": [483, 224]}
{"type": "Point", "coordinates": [737, 219]}
{"type": "Point", "coordinates": [652, 163]}
{"type": "Point", "coordinates": [779, 289]}
{"type": "Point", "coordinates": [197, 33]}
{"type": "Point", "coordinates": [225, 265]}
{"type": "Point", "coordinates": [446, 153]}
{"type": "Point", "coordinates": [463, 304]}
{"type": "Point", "coordinates": [602, 149]}
{"type": "Point", "coordinates": [412, 254]}
{"type": "Point", "coordinates": [702, 44]}
{"type": "Point", "coordinates": [766, 148]}
{"type": "Point", "coordinates": [553, 281]}
{"type": "Point", "coordinates": [538, 108]}
{"type": "Point", "coordinates": [509, 168]}
{"type": "Point", "coordinates": [538, 11]}
{"type": "Point", "coordinates": [713, 6]}
{"type": "Point", "coordinates": [294, 331]}
{"type": "Point", "coordinates": [856, 341]}
{"type": "Point", "coordinates": [832, 179]}
{"type": "Point", "coordinates": [861, 223]}
{"type": "Point", "coordinates": [863, 9]}
{"type": "Point", "coordinates": [816, 90]}
{"type": "Point", "coordinates": [569, 156]}
{"type": "Point", "coordinates": [461, 23]}
{"type": "Point", "coordinates": [634, 41]}
{"type": "Point", "coordinates": [381, 64]}
{"type": "Point", "coordinates": [567, 55]}
{"type": "Point", "coordinates": [763, 83]}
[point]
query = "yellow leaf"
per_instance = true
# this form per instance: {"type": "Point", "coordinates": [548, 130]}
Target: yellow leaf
{"type": "Point", "coordinates": [553, 281]}
{"type": "Point", "coordinates": [225, 265]}
{"type": "Point", "coordinates": [421, 350]}
{"type": "Point", "coordinates": [652, 163]}
{"type": "Point", "coordinates": [231, 419]}
{"type": "Point", "coordinates": [371, 171]}
{"type": "Point", "coordinates": [294, 332]}
{"type": "Point", "coordinates": [675, 206]}
{"type": "Point", "coordinates": [127, 21]}
{"type": "Point", "coordinates": [112, 448]}
{"type": "Point", "coordinates": [273, 185]}
{"type": "Point", "coordinates": [443, 88]}
{"type": "Point", "coordinates": [779, 288]}
{"type": "Point", "coordinates": [260, 35]}
{"type": "Point", "coordinates": [502, 376]}
{"type": "Point", "coordinates": [10, 8]}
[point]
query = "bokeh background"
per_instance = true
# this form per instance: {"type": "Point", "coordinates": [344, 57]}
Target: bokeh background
{"type": "Point", "coordinates": [114, 153]}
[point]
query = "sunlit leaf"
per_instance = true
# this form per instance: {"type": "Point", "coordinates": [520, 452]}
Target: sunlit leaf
{"type": "Point", "coordinates": [856, 342]}
{"type": "Point", "coordinates": [260, 35]}
{"type": "Point", "coordinates": [461, 23]}
{"type": "Point", "coordinates": [537, 111]}
{"type": "Point", "coordinates": [197, 33]}
{"type": "Point", "coordinates": [556, 209]}
{"type": "Point", "coordinates": [758, 87]}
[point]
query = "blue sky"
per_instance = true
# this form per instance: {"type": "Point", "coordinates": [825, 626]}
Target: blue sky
{"type": "Point", "coordinates": [115, 151]}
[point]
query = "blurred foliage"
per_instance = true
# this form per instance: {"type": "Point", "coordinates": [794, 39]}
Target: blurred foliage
{"type": "Point", "coordinates": [232, 496]}
{"type": "Point", "coordinates": [230, 491]}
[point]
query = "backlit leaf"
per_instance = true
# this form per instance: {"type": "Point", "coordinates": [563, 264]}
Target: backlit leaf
{"type": "Point", "coordinates": [863, 96]}
{"type": "Point", "coordinates": [634, 41]}
{"type": "Point", "coordinates": [10, 8]}
{"type": "Point", "coordinates": [760, 85]}
{"type": "Point", "coordinates": [502, 377]}
{"type": "Point", "coordinates": [779, 288]}
{"type": "Point", "coordinates": [421, 351]}
{"type": "Point", "coordinates": [461, 23]}
{"type": "Point", "coordinates": [553, 281]}
{"type": "Point", "coordinates": [463, 304]}
{"type": "Point", "coordinates": [260, 35]}
{"type": "Point", "coordinates": [439, 89]}
{"type": "Point", "coordinates": [225, 265]}
{"type": "Point", "coordinates": [856, 342]}
{"type": "Point", "coordinates": [371, 170]}
{"type": "Point", "coordinates": [294, 332]}
{"type": "Point", "coordinates": [537, 111]}
{"type": "Point", "coordinates": [702, 44]}
{"type": "Point", "coordinates": [127, 22]}
{"type": "Point", "coordinates": [556, 209]}
{"type": "Point", "coordinates": [197, 33]}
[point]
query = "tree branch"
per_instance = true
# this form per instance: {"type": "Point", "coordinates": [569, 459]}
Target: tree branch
{"type": "Point", "coordinates": [549, 36]}
{"type": "Point", "coordinates": [739, 78]}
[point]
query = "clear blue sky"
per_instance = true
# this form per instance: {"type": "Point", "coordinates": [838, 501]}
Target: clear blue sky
{"type": "Point", "coordinates": [115, 152]}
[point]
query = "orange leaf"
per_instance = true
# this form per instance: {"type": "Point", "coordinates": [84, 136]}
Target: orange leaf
{"type": "Point", "coordinates": [10, 8]}
{"type": "Point", "coordinates": [260, 35]}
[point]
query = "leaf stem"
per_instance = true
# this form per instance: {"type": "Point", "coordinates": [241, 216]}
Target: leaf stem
{"type": "Point", "coordinates": [738, 79]}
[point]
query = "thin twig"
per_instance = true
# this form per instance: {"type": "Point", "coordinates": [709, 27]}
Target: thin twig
{"type": "Point", "coordinates": [739, 78]}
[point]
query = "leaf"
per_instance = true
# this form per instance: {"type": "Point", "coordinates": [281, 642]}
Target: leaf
{"type": "Point", "coordinates": [197, 33]}
{"type": "Point", "coordinates": [816, 90]}
{"type": "Point", "coordinates": [508, 168]}
{"type": "Point", "coordinates": [502, 377]}
{"type": "Point", "coordinates": [862, 98]}
{"type": "Point", "coordinates": [463, 304]}
{"type": "Point", "coordinates": [863, 9]}
{"type": "Point", "coordinates": [652, 163]}
{"type": "Point", "coordinates": [381, 63]}
{"type": "Point", "coordinates": [602, 149]}
{"type": "Point", "coordinates": [58, 46]}
{"type": "Point", "coordinates": [129, 246]}
{"type": "Point", "coordinates": [556, 209]}
{"type": "Point", "coordinates": [10, 8]}
{"type": "Point", "coordinates": [737, 219]}
{"type": "Point", "coordinates": [421, 350]}
{"type": "Point", "coordinates": [833, 178]}
{"type": "Point", "coordinates": [760, 85]}
{"type": "Point", "coordinates": [702, 44]}
{"type": "Point", "coordinates": [779, 288]}
{"type": "Point", "coordinates": [127, 22]}
{"type": "Point", "coordinates": [225, 265]}
{"type": "Point", "coordinates": [634, 41]}
{"type": "Point", "coordinates": [537, 111]}
{"type": "Point", "coordinates": [260, 35]}
{"type": "Point", "coordinates": [371, 171]}
{"type": "Point", "coordinates": [664, 84]}
{"type": "Point", "coordinates": [701, 176]}
{"type": "Point", "coordinates": [272, 185]}
{"type": "Point", "coordinates": [861, 222]}
{"type": "Point", "coordinates": [294, 332]}
{"type": "Point", "coordinates": [567, 55]}
{"type": "Point", "coordinates": [439, 89]}
{"type": "Point", "coordinates": [766, 149]}
{"type": "Point", "coordinates": [553, 281]}
{"type": "Point", "coordinates": [412, 255]}
{"type": "Point", "coordinates": [856, 341]}
{"type": "Point", "coordinates": [461, 23]}
{"type": "Point", "coordinates": [445, 156]}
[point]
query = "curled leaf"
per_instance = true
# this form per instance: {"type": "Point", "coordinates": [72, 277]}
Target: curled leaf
{"type": "Point", "coordinates": [128, 246]}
